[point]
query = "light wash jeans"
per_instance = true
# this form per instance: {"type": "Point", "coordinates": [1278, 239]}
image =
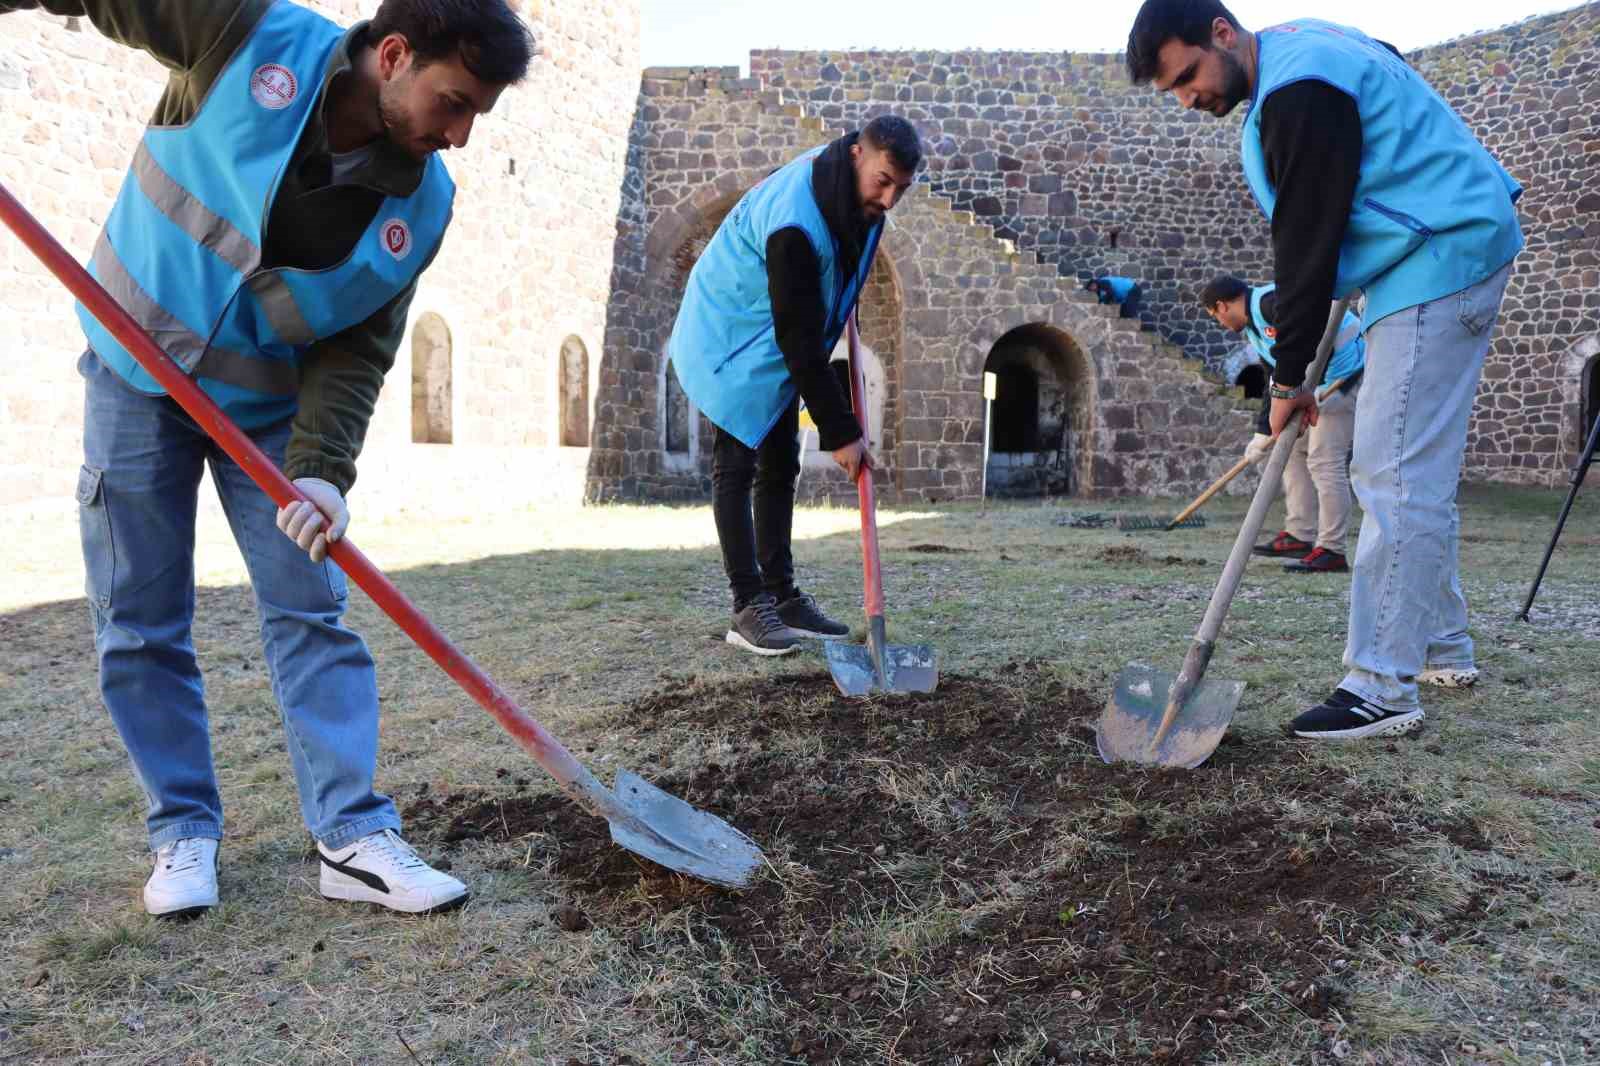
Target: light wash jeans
{"type": "Point", "coordinates": [1407, 610]}
{"type": "Point", "coordinates": [137, 495]}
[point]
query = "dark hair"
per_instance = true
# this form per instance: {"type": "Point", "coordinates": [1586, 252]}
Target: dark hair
{"type": "Point", "coordinates": [1159, 21]}
{"type": "Point", "coordinates": [494, 44]}
{"type": "Point", "coordinates": [1221, 290]}
{"type": "Point", "coordinates": [893, 134]}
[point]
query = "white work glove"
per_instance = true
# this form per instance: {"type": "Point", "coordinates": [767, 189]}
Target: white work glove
{"type": "Point", "coordinates": [314, 528]}
{"type": "Point", "coordinates": [1259, 448]}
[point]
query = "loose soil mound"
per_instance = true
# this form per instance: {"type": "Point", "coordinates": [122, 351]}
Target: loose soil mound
{"type": "Point", "coordinates": [956, 875]}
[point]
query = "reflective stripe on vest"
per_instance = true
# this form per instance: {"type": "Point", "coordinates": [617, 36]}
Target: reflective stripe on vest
{"type": "Point", "coordinates": [182, 248]}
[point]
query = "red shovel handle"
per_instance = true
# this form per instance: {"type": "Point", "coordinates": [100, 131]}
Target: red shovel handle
{"type": "Point", "coordinates": [869, 500]}
{"type": "Point", "coordinates": [529, 733]}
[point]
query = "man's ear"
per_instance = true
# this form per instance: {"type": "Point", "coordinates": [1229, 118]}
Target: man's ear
{"type": "Point", "coordinates": [393, 53]}
{"type": "Point", "coordinates": [1223, 35]}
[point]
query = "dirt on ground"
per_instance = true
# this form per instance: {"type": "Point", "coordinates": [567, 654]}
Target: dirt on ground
{"type": "Point", "coordinates": [1130, 555]}
{"type": "Point", "coordinates": [965, 879]}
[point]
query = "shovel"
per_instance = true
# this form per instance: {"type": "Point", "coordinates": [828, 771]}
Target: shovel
{"type": "Point", "coordinates": [1141, 723]}
{"type": "Point", "coordinates": [879, 666]}
{"type": "Point", "coordinates": [644, 819]}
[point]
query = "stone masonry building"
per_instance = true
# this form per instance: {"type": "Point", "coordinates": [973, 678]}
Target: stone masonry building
{"type": "Point", "coordinates": [536, 356]}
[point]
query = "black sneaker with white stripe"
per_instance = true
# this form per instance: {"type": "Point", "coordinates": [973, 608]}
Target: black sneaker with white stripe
{"type": "Point", "coordinates": [1346, 716]}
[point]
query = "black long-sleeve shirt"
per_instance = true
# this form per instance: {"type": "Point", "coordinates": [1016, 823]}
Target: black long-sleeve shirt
{"type": "Point", "coordinates": [794, 283]}
{"type": "Point", "coordinates": [1311, 137]}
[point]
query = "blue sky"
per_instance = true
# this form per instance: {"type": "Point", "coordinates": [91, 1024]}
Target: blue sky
{"type": "Point", "coordinates": [722, 32]}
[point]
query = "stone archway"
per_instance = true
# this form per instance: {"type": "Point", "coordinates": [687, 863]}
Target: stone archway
{"type": "Point", "coordinates": [1580, 389]}
{"type": "Point", "coordinates": [431, 359]}
{"type": "Point", "coordinates": [1040, 430]}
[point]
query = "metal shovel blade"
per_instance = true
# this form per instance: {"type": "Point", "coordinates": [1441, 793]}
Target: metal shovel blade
{"type": "Point", "coordinates": [906, 668]}
{"type": "Point", "coordinates": [666, 830]}
{"type": "Point", "coordinates": [1129, 723]}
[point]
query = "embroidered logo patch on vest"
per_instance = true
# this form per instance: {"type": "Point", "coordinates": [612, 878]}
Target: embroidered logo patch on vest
{"type": "Point", "coordinates": [396, 238]}
{"type": "Point", "coordinates": [274, 87]}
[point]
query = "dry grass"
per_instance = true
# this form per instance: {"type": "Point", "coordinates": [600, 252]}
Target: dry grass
{"type": "Point", "coordinates": [578, 613]}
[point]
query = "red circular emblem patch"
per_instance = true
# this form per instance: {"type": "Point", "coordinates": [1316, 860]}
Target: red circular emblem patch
{"type": "Point", "coordinates": [396, 238]}
{"type": "Point", "coordinates": [273, 87]}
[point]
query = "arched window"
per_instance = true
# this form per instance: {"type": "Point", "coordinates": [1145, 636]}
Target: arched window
{"type": "Point", "coordinates": [430, 380]}
{"type": "Point", "coordinates": [678, 422]}
{"type": "Point", "coordinates": [574, 394]}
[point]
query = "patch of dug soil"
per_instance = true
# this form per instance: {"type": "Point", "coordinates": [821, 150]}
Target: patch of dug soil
{"type": "Point", "coordinates": [938, 549]}
{"type": "Point", "coordinates": [1131, 555]}
{"type": "Point", "coordinates": [957, 876]}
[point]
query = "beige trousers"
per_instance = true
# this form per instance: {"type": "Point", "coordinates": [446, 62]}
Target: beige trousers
{"type": "Point", "coordinates": [1316, 483]}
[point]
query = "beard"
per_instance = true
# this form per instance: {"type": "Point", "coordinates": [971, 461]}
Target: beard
{"type": "Point", "coordinates": [1235, 85]}
{"type": "Point", "coordinates": [398, 125]}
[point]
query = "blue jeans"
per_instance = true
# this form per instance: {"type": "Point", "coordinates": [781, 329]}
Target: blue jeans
{"type": "Point", "coordinates": [137, 496]}
{"type": "Point", "coordinates": [1407, 610]}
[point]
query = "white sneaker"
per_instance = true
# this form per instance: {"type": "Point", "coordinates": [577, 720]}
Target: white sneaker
{"type": "Point", "coordinates": [184, 882]}
{"type": "Point", "coordinates": [381, 868]}
{"type": "Point", "coordinates": [1449, 676]}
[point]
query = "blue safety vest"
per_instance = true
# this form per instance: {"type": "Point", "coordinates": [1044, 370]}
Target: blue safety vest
{"type": "Point", "coordinates": [1350, 347]}
{"type": "Point", "coordinates": [1121, 288]}
{"type": "Point", "coordinates": [1433, 211]}
{"type": "Point", "coordinates": [723, 344]}
{"type": "Point", "coordinates": [181, 250]}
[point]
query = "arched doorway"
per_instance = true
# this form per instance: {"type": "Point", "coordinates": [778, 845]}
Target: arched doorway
{"type": "Point", "coordinates": [1039, 421]}
{"type": "Point", "coordinates": [574, 393]}
{"type": "Point", "coordinates": [430, 380]}
{"type": "Point", "coordinates": [1591, 397]}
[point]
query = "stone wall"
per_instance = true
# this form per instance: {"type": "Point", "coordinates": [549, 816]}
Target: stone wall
{"type": "Point", "coordinates": [1532, 93]}
{"type": "Point", "coordinates": [522, 270]}
{"type": "Point", "coordinates": [945, 292]}
{"type": "Point", "coordinates": [1058, 152]}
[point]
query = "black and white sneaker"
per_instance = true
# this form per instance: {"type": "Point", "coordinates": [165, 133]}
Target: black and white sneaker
{"type": "Point", "coordinates": [1346, 716]}
{"type": "Point", "coordinates": [757, 627]}
{"type": "Point", "coordinates": [381, 868]}
{"type": "Point", "coordinates": [800, 613]}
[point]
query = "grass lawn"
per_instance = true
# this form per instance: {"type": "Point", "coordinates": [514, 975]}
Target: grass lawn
{"type": "Point", "coordinates": [950, 879]}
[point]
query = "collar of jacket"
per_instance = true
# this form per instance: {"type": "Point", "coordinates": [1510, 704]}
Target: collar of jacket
{"type": "Point", "coordinates": [833, 185]}
{"type": "Point", "coordinates": [390, 169]}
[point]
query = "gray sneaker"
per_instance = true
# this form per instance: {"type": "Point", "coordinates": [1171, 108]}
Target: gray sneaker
{"type": "Point", "coordinates": [801, 614]}
{"type": "Point", "coordinates": [758, 628]}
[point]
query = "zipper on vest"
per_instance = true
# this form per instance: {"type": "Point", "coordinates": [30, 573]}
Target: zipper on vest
{"type": "Point", "coordinates": [1416, 225]}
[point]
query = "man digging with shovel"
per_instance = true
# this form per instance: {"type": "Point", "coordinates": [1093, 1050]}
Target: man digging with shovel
{"type": "Point", "coordinates": [270, 233]}
{"type": "Point", "coordinates": [765, 305]}
{"type": "Point", "coordinates": [1371, 183]}
{"type": "Point", "coordinates": [1316, 482]}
